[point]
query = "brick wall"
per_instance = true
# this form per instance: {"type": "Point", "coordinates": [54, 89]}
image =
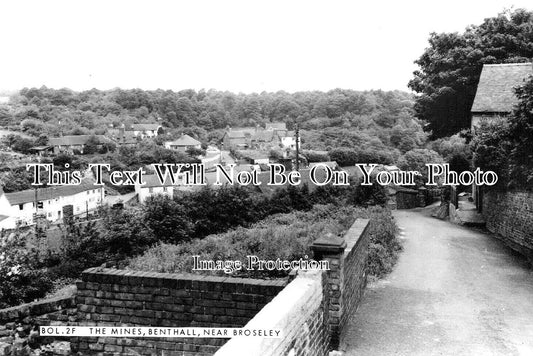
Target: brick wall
{"type": "Point", "coordinates": [129, 298]}
{"type": "Point", "coordinates": [510, 216]}
{"type": "Point", "coordinates": [18, 326]}
{"type": "Point", "coordinates": [347, 275]}
{"type": "Point", "coordinates": [354, 271]}
{"type": "Point", "coordinates": [314, 308]}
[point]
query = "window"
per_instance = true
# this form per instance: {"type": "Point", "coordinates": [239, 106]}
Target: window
{"type": "Point", "coordinates": [88, 192]}
{"type": "Point", "coordinates": [150, 190]}
{"type": "Point", "coordinates": [165, 189]}
{"type": "Point", "coordinates": [21, 206]}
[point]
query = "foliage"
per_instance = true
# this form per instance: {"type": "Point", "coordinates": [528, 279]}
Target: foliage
{"type": "Point", "coordinates": [491, 146]}
{"type": "Point", "coordinates": [452, 146]}
{"type": "Point", "coordinates": [285, 236]}
{"type": "Point", "coordinates": [166, 219]}
{"type": "Point", "coordinates": [314, 156]}
{"type": "Point", "coordinates": [521, 134]}
{"type": "Point", "coordinates": [15, 180]}
{"type": "Point", "coordinates": [22, 279]}
{"type": "Point", "coordinates": [337, 118]}
{"type": "Point", "coordinates": [416, 160]}
{"type": "Point", "coordinates": [384, 244]}
{"type": "Point", "coordinates": [451, 65]}
{"type": "Point", "coordinates": [506, 146]}
{"type": "Point", "coordinates": [91, 146]}
{"type": "Point", "coordinates": [350, 156]}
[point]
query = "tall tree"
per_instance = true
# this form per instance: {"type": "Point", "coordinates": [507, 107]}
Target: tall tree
{"type": "Point", "coordinates": [451, 65]}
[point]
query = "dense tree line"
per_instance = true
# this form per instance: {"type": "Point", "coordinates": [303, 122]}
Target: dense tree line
{"type": "Point", "coordinates": [450, 67]}
{"type": "Point", "coordinates": [205, 114]}
{"type": "Point", "coordinates": [207, 109]}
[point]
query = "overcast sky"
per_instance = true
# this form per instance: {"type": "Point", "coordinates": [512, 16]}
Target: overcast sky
{"type": "Point", "coordinates": [241, 46]}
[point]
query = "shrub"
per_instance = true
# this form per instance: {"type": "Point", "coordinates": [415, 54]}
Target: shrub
{"type": "Point", "coordinates": [284, 236]}
{"type": "Point", "coordinates": [22, 278]}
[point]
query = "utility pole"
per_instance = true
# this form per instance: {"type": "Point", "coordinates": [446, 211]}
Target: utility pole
{"type": "Point", "coordinates": [297, 134]}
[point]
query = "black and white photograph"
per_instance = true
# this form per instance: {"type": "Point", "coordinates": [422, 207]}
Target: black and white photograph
{"type": "Point", "coordinates": [266, 178]}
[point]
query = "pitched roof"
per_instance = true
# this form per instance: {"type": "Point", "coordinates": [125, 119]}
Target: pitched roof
{"type": "Point", "coordinates": [144, 127]}
{"type": "Point", "coordinates": [253, 154]}
{"type": "Point", "coordinates": [495, 91]}
{"type": "Point", "coordinates": [152, 180]}
{"type": "Point", "coordinates": [263, 136]}
{"type": "Point", "coordinates": [185, 140]}
{"type": "Point", "coordinates": [125, 137]}
{"type": "Point", "coordinates": [235, 134]}
{"type": "Point", "coordinates": [74, 140]}
{"type": "Point", "coordinates": [276, 126]}
{"type": "Point", "coordinates": [26, 196]}
{"type": "Point", "coordinates": [125, 198]}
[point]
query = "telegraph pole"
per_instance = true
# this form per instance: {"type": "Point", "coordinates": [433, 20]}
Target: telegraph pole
{"type": "Point", "coordinates": [297, 134]}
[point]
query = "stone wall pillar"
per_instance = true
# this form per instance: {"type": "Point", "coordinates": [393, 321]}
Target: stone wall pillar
{"type": "Point", "coordinates": [422, 196]}
{"type": "Point", "coordinates": [331, 249]}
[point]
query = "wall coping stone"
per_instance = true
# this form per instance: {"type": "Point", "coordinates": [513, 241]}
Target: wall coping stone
{"type": "Point", "coordinates": [172, 280]}
{"type": "Point", "coordinates": [37, 308]}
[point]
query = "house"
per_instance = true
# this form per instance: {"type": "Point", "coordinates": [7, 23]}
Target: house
{"type": "Point", "coordinates": [287, 139]}
{"type": "Point", "coordinates": [153, 187]}
{"type": "Point", "coordinates": [276, 126]}
{"type": "Point", "coordinates": [122, 137]}
{"type": "Point", "coordinates": [73, 144]}
{"type": "Point", "coordinates": [42, 151]}
{"type": "Point", "coordinates": [263, 139]}
{"type": "Point", "coordinates": [124, 199]}
{"type": "Point", "coordinates": [495, 96]}
{"type": "Point", "coordinates": [254, 156]}
{"type": "Point", "coordinates": [21, 208]}
{"type": "Point", "coordinates": [235, 139]}
{"type": "Point", "coordinates": [183, 143]}
{"type": "Point", "coordinates": [145, 130]}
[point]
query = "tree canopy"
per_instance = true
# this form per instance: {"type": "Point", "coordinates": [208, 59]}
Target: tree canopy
{"type": "Point", "coordinates": [450, 67]}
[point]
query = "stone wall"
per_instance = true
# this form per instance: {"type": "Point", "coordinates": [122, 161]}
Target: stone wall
{"type": "Point", "coordinates": [354, 271]}
{"type": "Point", "coordinates": [407, 199]}
{"type": "Point", "coordinates": [129, 298]}
{"type": "Point", "coordinates": [18, 326]}
{"type": "Point", "coordinates": [298, 311]}
{"type": "Point", "coordinates": [314, 308]}
{"type": "Point", "coordinates": [509, 215]}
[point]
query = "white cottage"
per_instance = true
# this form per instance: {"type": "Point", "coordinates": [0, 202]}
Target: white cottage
{"type": "Point", "coordinates": [21, 207]}
{"type": "Point", "coordinates": [153, 187]}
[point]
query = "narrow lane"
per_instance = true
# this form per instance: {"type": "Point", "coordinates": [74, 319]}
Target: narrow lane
{"type": "Point", "coordinates": [454, 291]}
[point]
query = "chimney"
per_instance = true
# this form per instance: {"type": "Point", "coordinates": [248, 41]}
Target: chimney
{"type": "Point", "coordinates": [121, 133]}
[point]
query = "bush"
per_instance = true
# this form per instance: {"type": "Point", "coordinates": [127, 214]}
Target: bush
{"type": "Point", "coordinates": [284, 236]}
{"type": "Point", "coordinates": [384, 245]}
{"type": "Point", "coordinates": [22, 278]}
